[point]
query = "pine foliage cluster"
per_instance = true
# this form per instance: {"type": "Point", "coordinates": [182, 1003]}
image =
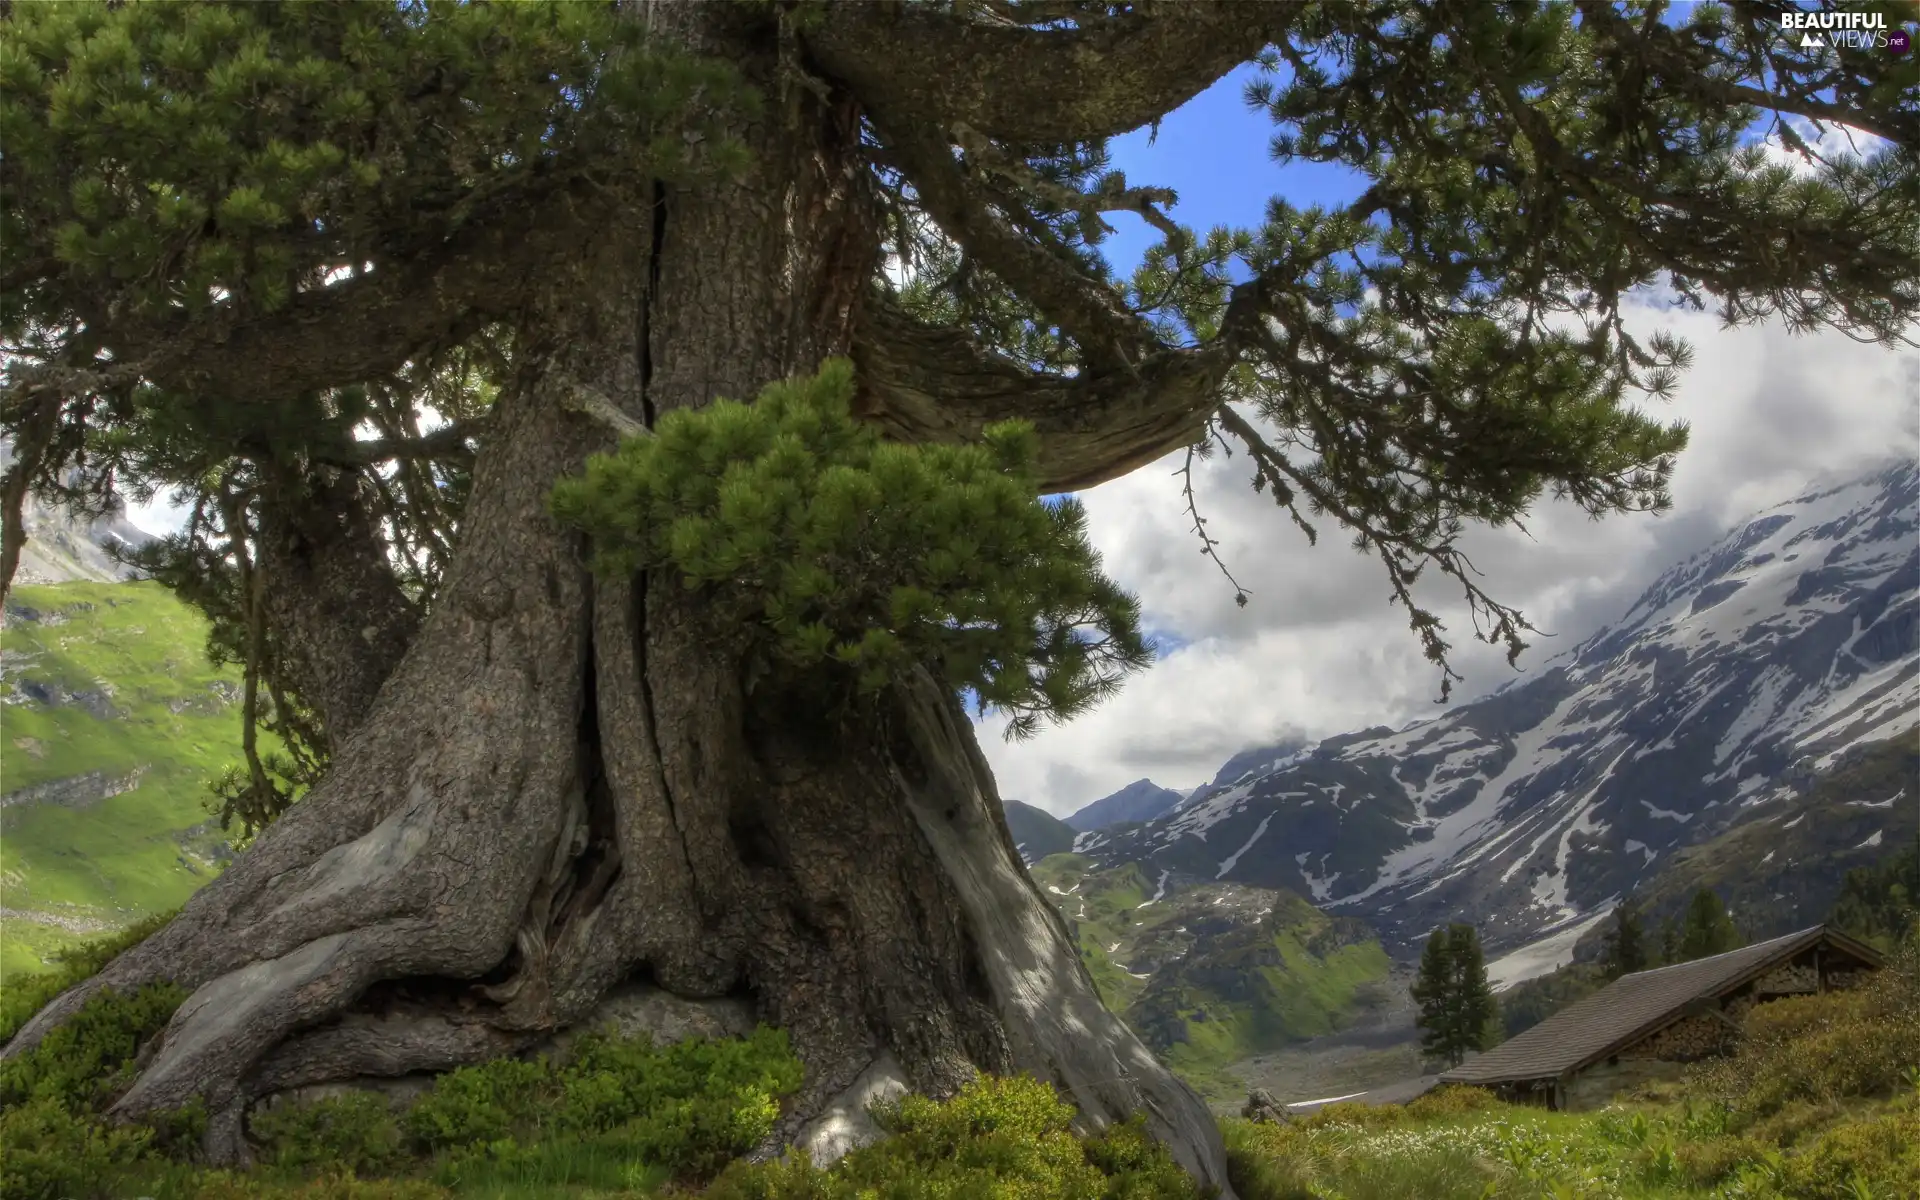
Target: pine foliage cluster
{"type": "Point", "coordinates": [823, 546]}
{"type": "Point", "coordinates": [180, 158]}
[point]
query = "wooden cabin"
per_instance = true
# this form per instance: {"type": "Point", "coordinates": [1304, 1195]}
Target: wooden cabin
{"type": "Point", "coordinates": [1649, 1025]}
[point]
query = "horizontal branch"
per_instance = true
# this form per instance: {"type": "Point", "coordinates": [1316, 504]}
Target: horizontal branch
{"type": "Point", "coordinates": [913, 65]}
{"type": "Point", "coordinates": [920, 383]}
{"type": "Point", "coordinates": [448, 441]}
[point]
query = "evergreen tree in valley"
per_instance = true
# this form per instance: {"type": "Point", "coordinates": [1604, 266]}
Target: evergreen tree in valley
{"type": "Point", "coordinates": [1881, 903]}
{"type": "Point", "coordinates": [427, 312]}
{"type": "Point", "coordinates": [1707, 929]}
{"type": "Point", "coordinates": [1669, 941]}
{"type": "Point", "coordinates": [1458, 1013]}
{"type": "Point", "coordinates": [1626, 949]}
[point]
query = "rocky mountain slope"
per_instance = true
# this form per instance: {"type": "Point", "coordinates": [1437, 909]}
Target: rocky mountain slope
{"type": "Point", "coordinates": [64, 546]}
{"type": "Point", "coordinates": [1782, 870]}
{"type": "Point", "coordinates": [1740, 676]}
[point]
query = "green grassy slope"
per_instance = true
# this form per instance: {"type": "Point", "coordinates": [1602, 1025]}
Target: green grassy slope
{"type": "Point", "coordinates": [106, 686]}
{"type": "Point", "coordinates": [1297, 974]}
{"type": "Point", "coordinates": [1214, 973]}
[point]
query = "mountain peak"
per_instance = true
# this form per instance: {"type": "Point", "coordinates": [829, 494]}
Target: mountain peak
{"type": "Point", "coordinates": [1141, 800]}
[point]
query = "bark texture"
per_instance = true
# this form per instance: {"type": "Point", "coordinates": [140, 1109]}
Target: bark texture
{"type": "Point", "coordinates": [565, 784]}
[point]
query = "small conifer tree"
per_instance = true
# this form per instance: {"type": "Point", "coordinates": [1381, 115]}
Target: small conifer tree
{"type": "Point", "coordinates": [1458, 1014]}
{"type": "Point", "coordinates": [1708, 928]}
{"type": "Point", "coordinates": [1626, 947]}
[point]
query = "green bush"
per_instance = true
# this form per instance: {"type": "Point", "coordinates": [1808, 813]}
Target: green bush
{"type": "Point", "coordinates": [688, 1107]}
{"type": "Point", "coordinates": [838, 556]}
{"type": "Point", "coordinates": [1817, 1050]}
{"type": "Point", "coordinates": [356, 1132]}
{"type": "Point", "coordinates": [999, 1137]}
{"type": "Point", "coordinates": [90, 1055]}
{"type": "Point", "coordinates": [52, 1141]}
{"type": "Point", "coordinates": [481, 1103]}
{"type": "Point", "coordinates": [49, 1152]}
{"type": "Point", "coordinates": [1879, 1157]}
{"type": "Point", "coordinates": [25, 996]}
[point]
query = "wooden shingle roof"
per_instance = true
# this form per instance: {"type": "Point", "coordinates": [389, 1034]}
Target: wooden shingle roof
{"type": "Point", "coordinates": [1635, 1006]}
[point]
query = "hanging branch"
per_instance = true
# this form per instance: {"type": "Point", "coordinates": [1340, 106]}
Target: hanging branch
{"type": "Point", "coordinates": [1209, 546]}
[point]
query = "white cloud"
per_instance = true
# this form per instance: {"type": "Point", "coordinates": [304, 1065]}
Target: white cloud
{"type": "Point", "coordinates": [1319, 649]}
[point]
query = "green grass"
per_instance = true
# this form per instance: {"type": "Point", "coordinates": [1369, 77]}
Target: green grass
{"type": "Point", "coordinates": [27, 947]}
{"type": "Point", "coordinates": [155, 703]}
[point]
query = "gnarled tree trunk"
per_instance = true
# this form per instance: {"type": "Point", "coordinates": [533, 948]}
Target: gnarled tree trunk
{"type": "Point", "coordinates": [564, 784]}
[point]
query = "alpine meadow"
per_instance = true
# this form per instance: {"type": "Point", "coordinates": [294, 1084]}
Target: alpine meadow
{"type": "Point", "coordinates": [626, 442]}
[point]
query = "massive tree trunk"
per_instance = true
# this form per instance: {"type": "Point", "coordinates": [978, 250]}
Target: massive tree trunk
{"type": "Point", "coordinates": [565, 784]}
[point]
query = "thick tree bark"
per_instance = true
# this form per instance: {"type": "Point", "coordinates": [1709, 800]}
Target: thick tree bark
{"type": "Point", "coordinates": [566, 784]}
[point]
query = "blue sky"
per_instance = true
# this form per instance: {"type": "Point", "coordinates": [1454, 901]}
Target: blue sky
{"type": "Point", "coordinates": [1212, 151]}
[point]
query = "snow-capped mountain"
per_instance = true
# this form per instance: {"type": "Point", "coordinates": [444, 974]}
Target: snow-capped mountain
{"type": "Point", "coordinates": [1739, 675]}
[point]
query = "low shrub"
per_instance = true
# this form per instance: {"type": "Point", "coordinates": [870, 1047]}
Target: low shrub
{"type": "Point", "coordinates": [50, 1152]}
{"type": "Point", "coordinates": [1813, 1050]}
{"type": "Point", "coordinates": [90, 1056]}
{"type": "Point", "coordinates": [482, 1103]}
{"type": "Point", "coordinates": [1878, 1157]}
{"type": "Point", "coordinates": [54, 1143]}
{"type": "Point", "coordinates": [357, 1132]}
{"type": "Point", "coordinates": [25, 996]}
{"type": "Point", "coordinates": [688, 1107]}
{"type": "Point", "coordinates": [1007, 1137]}
{"type": "Point", "coordinates": [1706, 1161]}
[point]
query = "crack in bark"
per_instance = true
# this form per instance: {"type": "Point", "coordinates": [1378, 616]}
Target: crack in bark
{"type": "Point", "coordinates": [657, 230]}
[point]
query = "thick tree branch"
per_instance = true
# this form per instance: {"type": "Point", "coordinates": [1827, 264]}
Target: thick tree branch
{"type": "Point", "coordinates": [914, 66]}
{"type": "Point", "coordinates": [1143, 201]}
{"type": "Point", "coordinates": [924, 384]}
{"type": "Point", "coordinates": [1087, 310]}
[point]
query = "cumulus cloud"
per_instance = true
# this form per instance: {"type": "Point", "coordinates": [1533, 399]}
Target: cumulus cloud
{"type": "Point", "coordinates": [1320, 650]}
